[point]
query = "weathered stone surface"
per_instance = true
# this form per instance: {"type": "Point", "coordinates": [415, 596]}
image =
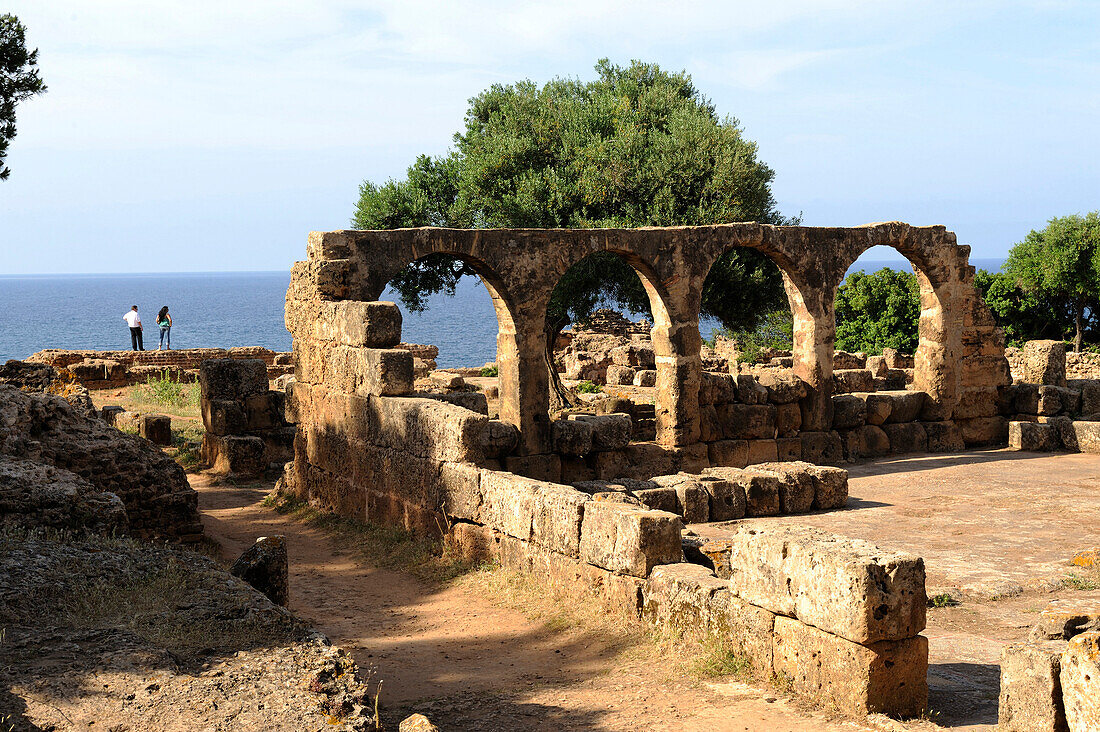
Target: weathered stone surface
{"type": "Point", "coordinates": [157, 428]}
{"type": "Point", "coordinates": [729, 453]}
{"type": "Point", "coordinates": [265, 566]}
{"type": "Point", "coordinates": [1086, 437]}
{"type": "Point", "coordinates": [509, 502]}
{"type": "Point", "coordinates": [846, 381]}
{"type": "Point", "coordinates": [239, 455]}
{"type": "Point", "coordinates": [679, 597]}
{"type": "Point", "coordinates": [983, 431]}
{"type": "Point", "coordinates": [1032, 436]}
{"type": "Point", "coordinates": [783, 386]}
{"type": "Point", "coordinates": [788, 419]}
{"type": "Point", "coordinates": [371, 371]}
{"type": "Point", "coordinates": [558, 511]}
{"type": "Point", "coordinates": [692, 500]}
{"type": "Point", "coordinates": [849, 411]}
{"type": "Point", "coordinates": [222, 417]}
{"type": "Point", "coordinates": [1044, 362]}
{"type": "Point", "coordinates": [609, 431]}
{"type": "Point", "coordinates": [748, 628]}
{"type": "Point", "coordinates": [847, 587]}
{"type": "Point", "coordinates": [726, 494]}
{"type": "Point", "coordinates": [430, 428]}
{"type": "Point", "coordinates": [1031, 694]}
{"type": "Point", "coordinates": [796, 485]}
{"type": "Point", "coordinates": [645, 377]}
{"type": "Point", "coordinates": [416, 723]}
{"type": "Point", "coordinates": [907, 437]}
{"type": "Point", "coordinates": [572, 437]}
{"type": "Point", "coordinates": [619, 375]}
{"type": "Point", "coordinates": [748, 421]}
{"type": "Point", "coordinates": [877, 407]}
{"type": "Point", "coordinates": [1063, 619]}
{"type": "Point", "coordinates": [761, 492]}
{"type": "Point", "coordinates": [788, 448]}
{"type": "Point", "coordinates": [33, 495]}
{"type": "Point", "coordinates": [360, 324]}
{"type": "Point", "coordinates": [629, 540]}
{"type": "Point", "coordinates": [1090, 394]}
{"type": "Point", "coordinates": [943, 437]}
{"type": "Point", "coordinates": [1080, 678]}
{"type": "Point", "coordinates": [822, 447]}
{"type": "Point", "coordinates": [905, 406]}
{"type": "Point", "coordinates": [887, 677]}
{"type": "Point", "coordinates": [231, 379]}
{"type": "Point", "coordinates": [750, 391]}
{"type": "Point", "coordinates": [762, 451]}
{"type": "Point", "coordinates": [462, 495]}
{"type": "Point", "coordinates": [717, 388]}
{"type": "Point", "coordinates": [1058, 400]}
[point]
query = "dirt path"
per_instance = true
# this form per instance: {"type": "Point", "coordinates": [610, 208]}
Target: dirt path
{"type": "Point", "coordinates": [473, 665]}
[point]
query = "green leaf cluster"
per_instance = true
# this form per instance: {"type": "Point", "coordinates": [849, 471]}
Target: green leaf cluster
{"type": "Point", "coordinates": [637, 146]}
{"type": "Point", "coordinates": [19, 80]}
{"type": "Point", "coordinates": [876, 311]}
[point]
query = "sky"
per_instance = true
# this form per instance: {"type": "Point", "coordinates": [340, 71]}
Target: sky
{"type": "Point", "coordinates": [210, 136]}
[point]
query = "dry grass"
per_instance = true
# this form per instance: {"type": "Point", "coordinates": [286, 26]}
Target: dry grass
{"type": "Point", "coordinates": [1084, 579]}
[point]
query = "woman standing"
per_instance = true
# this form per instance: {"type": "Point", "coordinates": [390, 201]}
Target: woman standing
{"type": "Point", "coordinates": [164, 320]}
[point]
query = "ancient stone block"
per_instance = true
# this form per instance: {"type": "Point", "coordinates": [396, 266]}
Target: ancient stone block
{"type": "Point", "coordinates": [876, 406]}
{"type": "Point", "coordinates": [761, 492]}
{"type": "Point", "coordinates": [609, 431]}
{"type": "Point", "coordinates": [896, 360]}
{"type": "Point", "coordinates": [645, 377]}
{"type": "Point", "coordinates": [629, 540]}
{"type": "Point", "coordinates": [659, 499]}
{"type": "Point", "coordinates": [822, 448]}
{"type": "Point", "coordinates": [783, 386]}
{"type": "Point", "coordinates": [109, 412]}
{"type": "Point", "coordinates": [1080, 678]}
{"type": "Point", "coordinates": [462, 496]}
{"type": "Point", "coordinates": [1031, 694]}
{"type": "Point", "coordinates": [877, 366]}
{"type": "Point", "coordinates": [848, 411]}
{"type": "Point", "coordinates": [1032, 436]}
{"type": "Point", "coordinates": [472, 542]}
{"type": "Point", "coordinates": [725, 493]}
{"type": "Point", "coordinates": [509, 502]}
{"type": "Point", "coordinates": [729, 453]}
{"type": "Point", "coordinates": [428, 428]}
{"type": "Point", "coordinates": [976, 402]}
{"type": "Point", "coordinates": [1044, 362]}
{"type": "Point", "coordinates": [1025, 398]}
{"type": "Point", "coordinates": [762, 451]}
{"type": "Point", "coordinates": [497, 438]}
{"type": "Point", "coordinates": [749, 391]}
{"type": "Point", "coordinates": [788, 419]}
{"type": "Point", "coordinates": [906, 437]}
{"type": "Point", "coordinates": [619, 375]}
{"type": "Point", "coordinates": [746, 627]}
{"type": "Point", "coordinates": [943, 437]}
{"type": "Point", "coordinates": [157, 428]}
{"type": "Point", "coordinates": [1086, 437]}
{"type": "Point", "coordinates": [796, 486]}
{"type": "Point", "coordinates": [232, 379]}
{"type": "Point", "coordinates": [843, 360]}
{"type": "Point", "coordinates": [788, 448]}
{"type": "Point", "coordinates": [848, 587]}
{"type": "Point", "coordinates": [678, 597]}
{"type": "Point", "coordinates": [886, 677]}
{"type": "Point", "coordinates": [1057, 400]}
{"type": "Point", "coordinates": [1064, 619]}
{"type": "Point", "coordinates": [235, 455]}
{"type": "Point", "coordinates": [572, 437]}
{"type": "Point", "coordinates": [905, 406]}
{"type": "Point", "coordinates": [748, 421]}
{"type": "Point", "coordinates": [710, 428]}
{"type": "Point", "coordinates": [983, 431]}
{"type": "Point", "coordinates": [718, 388]}
{"type": "Point", "coordinates": [376, 371]}
{"type": "Point", "coordinates": [475, 401]}
{"type": "Point", "coordinates": [1090, 394]}
{"type": "Point", "coordinates": [265, 411]}
{"type": "Point", "coordinates": [557, 520]}
{"type": "Point", "coordinates": [846, 381]}
{"type": "Point", "coordinates": [264, 565]}
{"type": "Point", "coordinates": [646, 459]}
{"type": "Point", "coordinates": [359, 324]}
{"type": "Point", "coordinates": [538, 467]}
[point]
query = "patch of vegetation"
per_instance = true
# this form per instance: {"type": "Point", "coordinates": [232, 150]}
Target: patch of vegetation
{"type": "Point", "coordinates": [878, 310]}
{"type": "Point", "coordinates": [774, 329]}
{"type": "Point", "coordinates": [186, 447]}
{"type": "Point", "coordinates": [166, 392]}
{"type": "Point", "coordinates": [943, 599]}
{"type": "Point", "coordinates": [587, 387]}
{"type": "Point", "coordinates": [717, 660]}
{"type": "Point", "coordinates": [490, 371]}
{"type": "Point", "coordinates": [1087, 582]}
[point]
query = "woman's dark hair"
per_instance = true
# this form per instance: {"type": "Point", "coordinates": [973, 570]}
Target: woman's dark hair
{"type": "Point", "coordinates": [162, 313]}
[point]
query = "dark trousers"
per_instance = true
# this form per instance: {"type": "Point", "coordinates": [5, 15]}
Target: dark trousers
{"type": "Point", "coordinates": [135, 339]}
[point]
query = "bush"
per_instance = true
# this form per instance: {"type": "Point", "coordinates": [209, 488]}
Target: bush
{"type": "Point", "coordinates": [165, 391]}
{"type": "Point", "coordinates": [587, 387]}
{"type": "Point", "coordinates": [774, 330]}
{"type": "Point", "coordinates": [490, 371]}
{"type": "Point", "coordinates": [876, 311]}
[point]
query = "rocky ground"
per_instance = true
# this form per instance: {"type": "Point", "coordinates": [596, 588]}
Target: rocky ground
{"type": "Point", "coordinates": [119, 635]}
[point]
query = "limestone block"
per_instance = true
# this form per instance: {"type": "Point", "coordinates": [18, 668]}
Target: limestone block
{"type": "Point", "coordinates": [876, 406]}
{"type": "Point", "coordinates": [746, 627]}
{"type": "Point", "coordinates": [571, 437]}
{"type": "Point", "coordinates": [633, 354]}
{"type": "Point", "coordinates": [462, 496]}
{"type": "Point", "coordinates": [416, 723]}
{"type": "Point", "coordinates": [906, 437]}
{"type": "Point", "coordinates": [729, 453]}
{"type": "Point", "coordinates": [983, 431]}
{"type": "Point", "coordinates": [710, 428]}
{"type": "Point", "coordinates": [692, 500]}
{"type": "Point", "coordinates": [976, 402]}
{"type": "Point", "coordinates": [557, 520]}
{"type": "Point", "coordinates": [447, 379]}
{"type": "Point", "coordinates": [609, 431]}
{"type": "Point", "coordinates": [265, 411]}
{"type": "Point", "coordinates": [108, 413]}
{"type": "Point", "coordinates": [796, 486]}
{"type": "Point", "coordinates": [748, 421]}
{"type": "Point", "coordinates": [822, 448]}
{"type": "Point", "coordinates": [783, 386]}
{"type": "Point", "coordinates": [359, 324]}
{"type": "Point", "coordinates": [1032, 437]}
{"type": "Point", "coordinates": [762, 451]}
{"type": "Point", "coordinates": [830, 485]}
{"type": "Point", "coordinates": [1090, 394]}
{"type": "Point", "coordinates": [539, 467]}
{"type": "Point", "coordinates": [725, 493]}
{"type": "Point", "coordinates": [264, 565]}
{"type": "Point", "coordinates": [761, 492]}
{"type": "Point", "coordinates": [846, 381]}
{"type": "Point", "coordinates": [849, 411]}
{"type": "Point", "coordinates": [222, 417]}
{"type": "Point", "coordinates": [888, 677]}
{"type": "Point", "coordinates": [717, 388]}
{"type": "Point", "coordinates": [498, 438]}
{"type": "Point", "coordinates": [475, 401]}
{"type": "Point", "coordinates": [1031, 694]}
{"type": "Point", "coordinates": [629, 540]}
{"type": "Point", "coordinates": [374, 371]}
{"type": "Point", "coordinates": [788, 419]}
{"type": "Point", "coordinates": [619, 375]}
{"type": "Point", "coordinates": [646, 459]}
{"type": "Point", "coordinates": [943, 437]}
{"type": "Point", "coordinates": [659, 499]}
{"type": "Point", "coordinates": [788, 448]}
{"type": "Point", "coordinates": [749, 391]}
{"type": "Point", "coordinates": [231, 379]}
{"type": "Point", "coordinates": [1025, 398]}
{"type": "Point", "coordinates": [875, 441]}
{"type": "Point", "coordinates": [157, 428]}
{"type": "Point", "coordinates": [905, 406]}
{"type": "Point", "coordinates": [848, 587]}
{"type": "Point", "coordinates": [1057, 400]}
{"type": "Point", "coordinates": [1080, 677]}
{"type": "Point", "coordinates": [679, 597]}
{"type": "Point", "coordinates": [472, 542]}
{"type": "Point", "coordinates": [97, 369]}
{"type": "Point", "coordinates": [1087, 436]}
{"type": "Point", "coordinates": [896, 360]}
{"type": "Point", "coordinates": [509, 502]}
{"type": "Point", "coordinates": [645, 377]}
{"type": "Point", "coordinates": [1044, 362]}
{"type": "Point", "coordinates": [1063, 619]}
{"type": "Point", "coordinates": [877, 366]}
{"type": "Point", "coordinates": [843, 360]}
{"type": "Point", "coordinates": [427, 428]}
{"type": "Point", "coordinates": [234, 455]}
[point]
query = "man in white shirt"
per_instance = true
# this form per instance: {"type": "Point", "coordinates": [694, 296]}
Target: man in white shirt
{"type": "Point", "coordinates": [134, 321]}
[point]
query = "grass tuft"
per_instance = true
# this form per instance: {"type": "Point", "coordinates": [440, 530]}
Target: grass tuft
{"type": "Point", "coordinates": [943, 599]}
{"type": "Point", "coordinates": [164, 391]}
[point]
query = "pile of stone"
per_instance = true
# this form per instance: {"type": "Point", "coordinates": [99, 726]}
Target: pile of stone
{"type": "Point", "coordinates": [65, 467]}
{"type": "Point", "coordinates": [245, 426]}
{"type": "Point", "coordinates": [1052, 681]}
{"type": "Point", "coordinates": [1049, 412]}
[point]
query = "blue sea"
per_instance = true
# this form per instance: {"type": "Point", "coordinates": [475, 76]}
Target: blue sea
{"type": "Point", "coordinates": [226, 309]}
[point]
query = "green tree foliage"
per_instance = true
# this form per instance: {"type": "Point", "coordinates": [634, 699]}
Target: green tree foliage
{"type": "Point", "coordinates": [1022, 315]}
{"type": "Point", "coordinates": [637, 146]}
{"type": "Point", "coordinates": [773, 330]}
{"type": "Point", "coordinates": [19, 80]}
{"type": "Point", "coordinates": [1061, 265]}
{"type": "Point", "coordinates": [876, 311]}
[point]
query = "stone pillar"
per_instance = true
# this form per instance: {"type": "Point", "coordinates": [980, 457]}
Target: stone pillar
{"type": "Point", "coordinates": [523, 379]}
{"type": "Point", "coordinates": [940, 330]}
{"type": "Point", "coordinates": [1045, 363]}
{"type": "Point", "coordinates": [814, 335]}
{"type": "Point", "coordinates": [679, 371]}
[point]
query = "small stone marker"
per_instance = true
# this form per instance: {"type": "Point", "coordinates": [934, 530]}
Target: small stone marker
{"type": "Point", "coordinates": [264, 565]}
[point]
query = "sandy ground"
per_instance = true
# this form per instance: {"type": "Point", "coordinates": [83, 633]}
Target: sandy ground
{"type": "Point", "coordinates": [988, 523]}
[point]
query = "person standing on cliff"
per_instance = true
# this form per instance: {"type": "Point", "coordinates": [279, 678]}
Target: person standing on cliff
{"type": "Point", "coordinates": [134, 321]}
{"type": "Point", "coordinates": [164, 320]}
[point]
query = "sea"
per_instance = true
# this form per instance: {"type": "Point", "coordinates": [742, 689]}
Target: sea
{"type": "Point", "coordinates": [226, 309]}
